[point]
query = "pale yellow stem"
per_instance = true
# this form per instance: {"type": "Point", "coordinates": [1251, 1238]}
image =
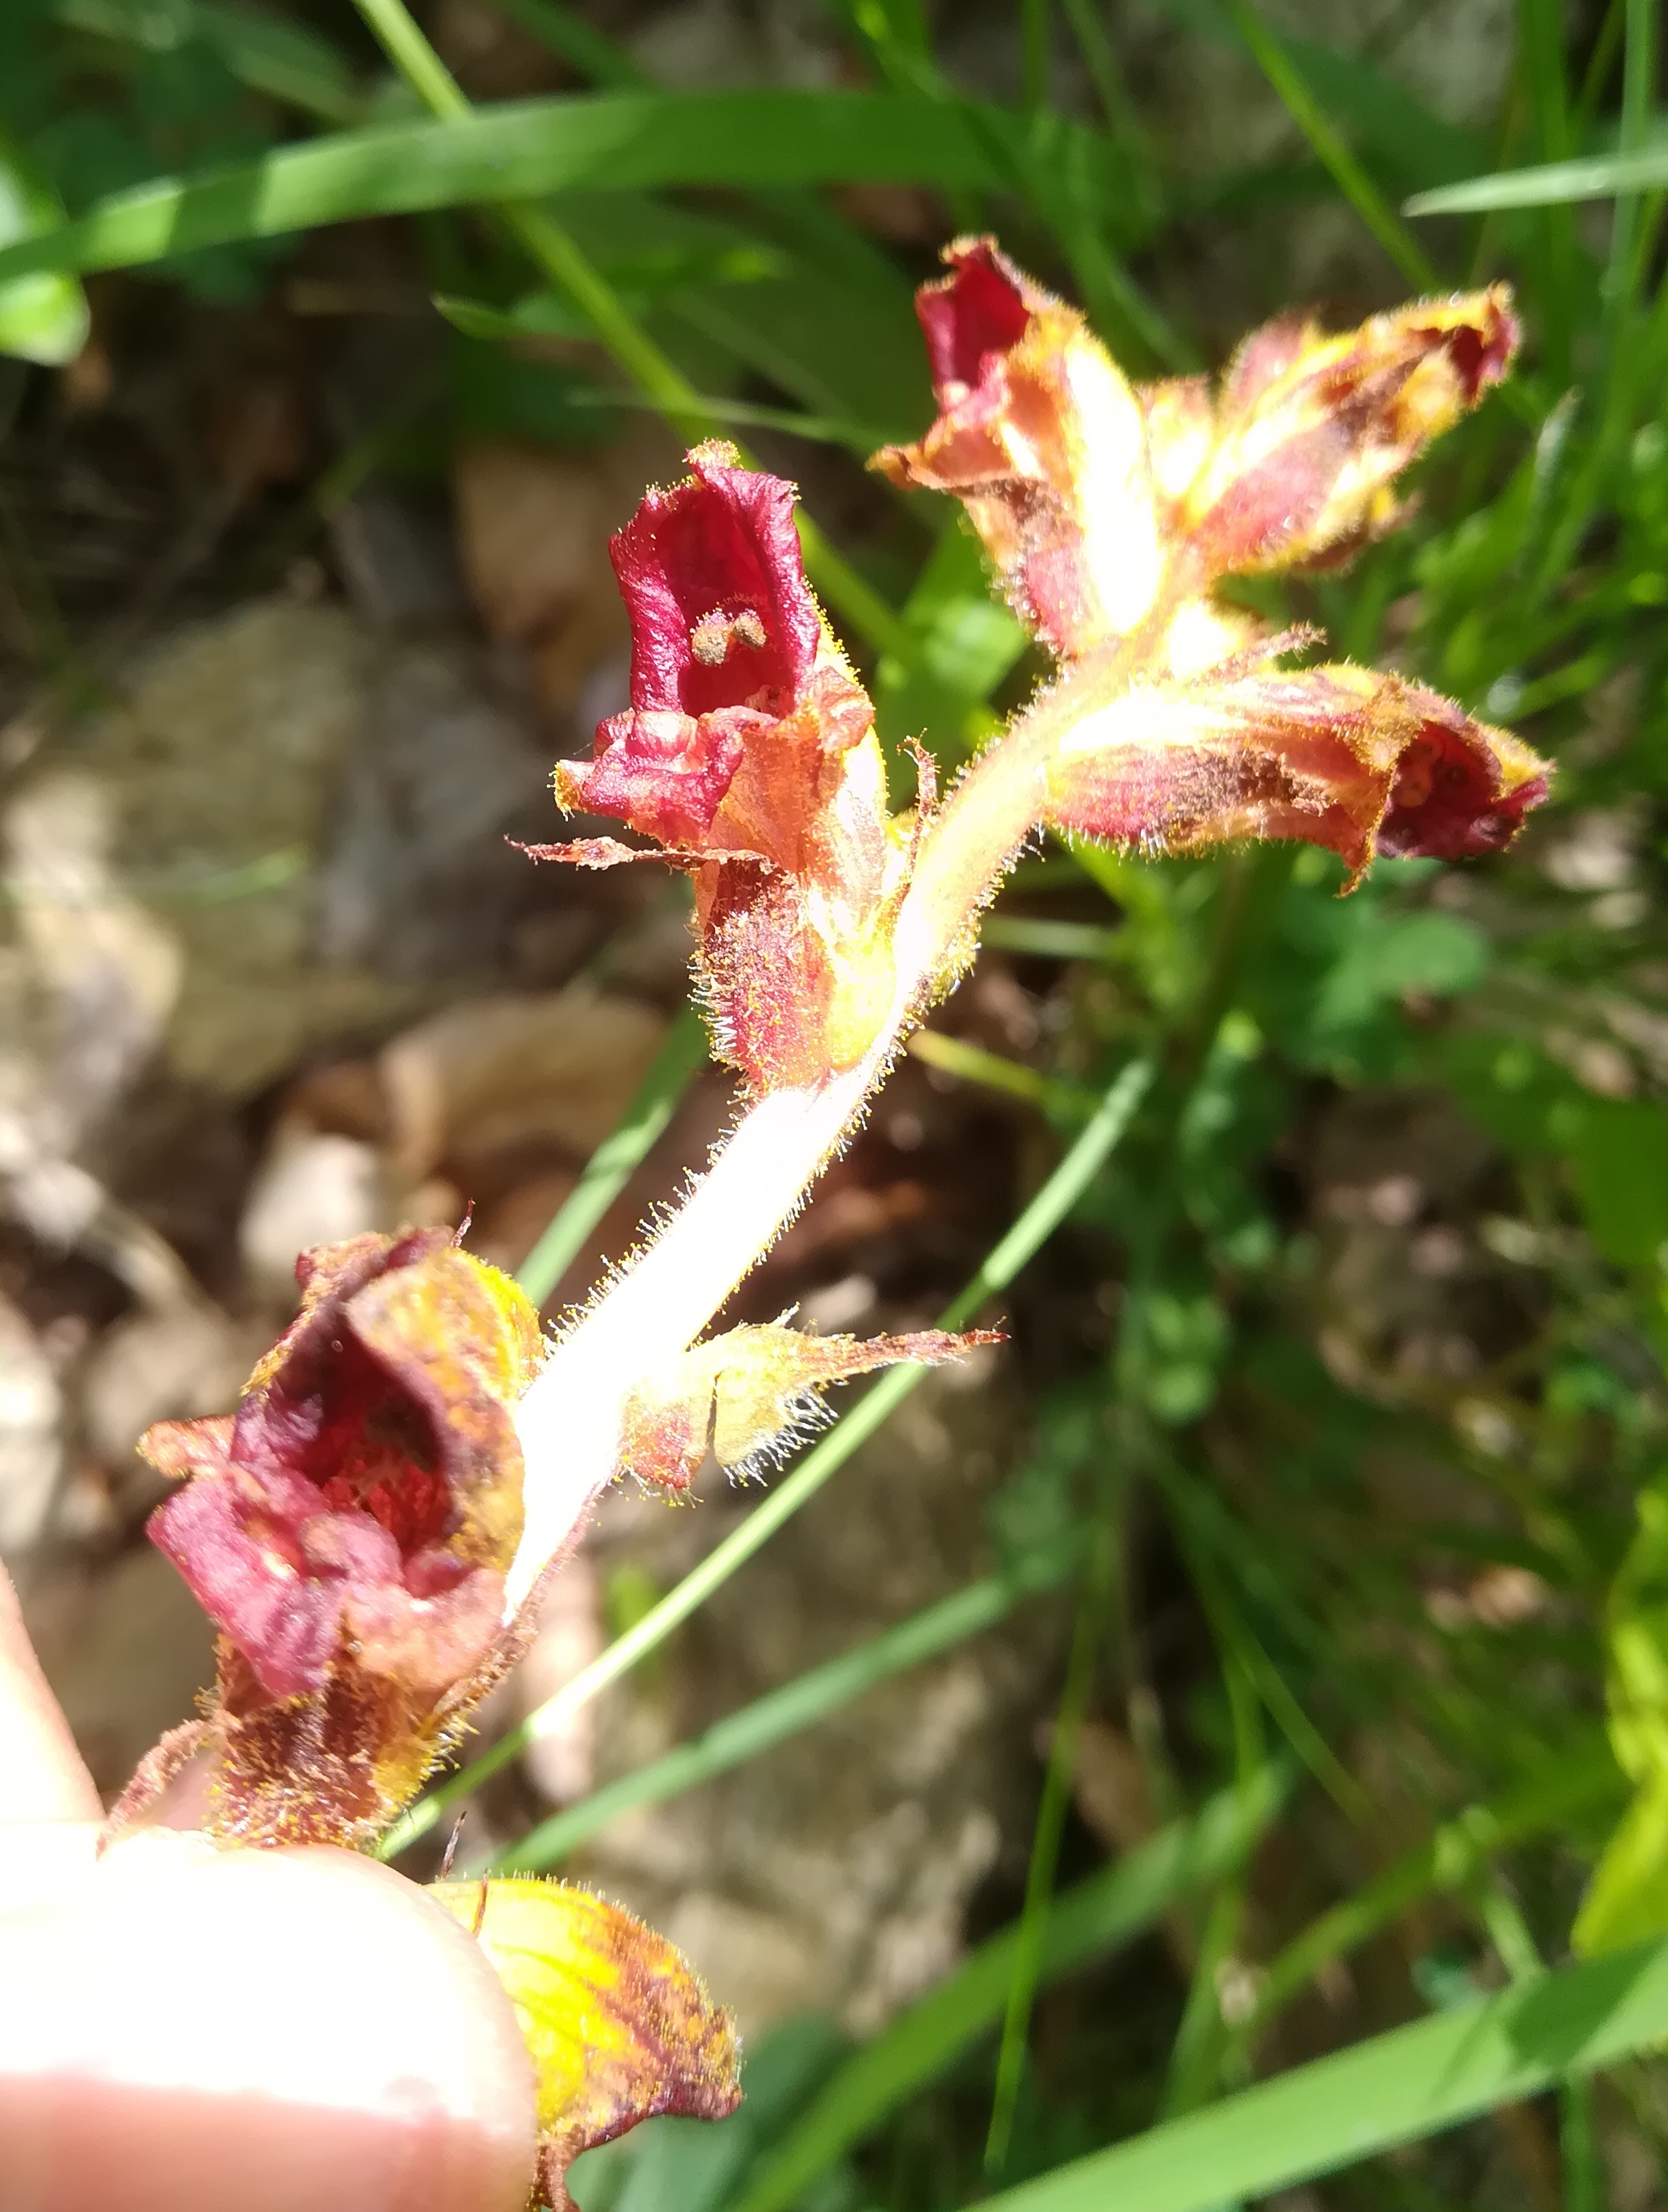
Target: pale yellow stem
{"type": "Point", "coordinates": [569, 1420]}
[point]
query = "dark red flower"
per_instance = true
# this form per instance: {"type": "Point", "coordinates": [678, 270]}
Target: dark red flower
{"type": "Point", "coordinates": [1452, 799]}
{"type": "Point", "coordinates": [972, 318]}
{"type": "Point", "coordinates": [749, 755]}
{"type": "Point", "coordinates": [729, 658]}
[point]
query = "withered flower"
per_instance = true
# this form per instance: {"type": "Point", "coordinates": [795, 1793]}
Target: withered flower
{"type": "Point", "coordinates": [349, 1530]}
{"type": "Point", "coordinates": [748, 755]}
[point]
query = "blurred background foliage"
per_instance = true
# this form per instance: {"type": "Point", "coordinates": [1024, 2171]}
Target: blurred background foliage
{"type": "Point", "coordinates": [1349, 1359]}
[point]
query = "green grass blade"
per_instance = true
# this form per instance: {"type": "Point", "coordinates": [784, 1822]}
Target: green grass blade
{"type": "Point", "coordinates": [971, 1063]}
{"type": "Point", "coordinates": [44, 317]}
{"type": "Point", "coordinates": [797, 1705]}
{"type": "Point", "coordinates": [1449, 1862]}
{"type": "Point", "coordinates": [1600, 177]}
{"type": "Point", "coordinates": [1347, 172]}
{"type": "Point", "coordinates": [606, 1171]}
{"type": "Point", "coordinates": [1036, 33]}
{"type": "Point", "coordinates": [1094, 44]}
{"type": "Point", "coordinates": [1600, 61]}
{"type": "Point", "coordinates": [1405, 139]}
{"type": "Point", "coordinates": [1058, 1195]}
{"type": "Point", "coordinates": [1540, 65]}
{"type": "Point", "coordinates": [269, 55]}
{"type": "Point", "coordinates": [1031, 1936]}
{"type": "Point", "coordinates": [1087, 1921]}
{"type": "Point", "coordinates": [414, 58]}
{"type": "Point", "coordinates": [1638, 73]}
{"type": "Point", "coordinates": [1578, 2144]}
{"type": "Point", "coordinates": [860, 438]}
{"type": "Point", "coordinates": [1196, 2054]}
{"type": "Point", "coordinates": [1210, 1537]}
{"type": "Point", "coordinates": [575, 41]}
{"type": "Point", "coordinates": [1053, 940]}
{"type": "Point", "coordinates": [522, 149]}
{"type": "Point", "coordinates": [574, 276]}
{"type": "Point", "coordinates": [1393, 2089]}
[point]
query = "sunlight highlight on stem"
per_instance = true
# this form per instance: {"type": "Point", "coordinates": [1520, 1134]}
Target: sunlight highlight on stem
{"type": "Point", "coordinates": [1051, 1203]}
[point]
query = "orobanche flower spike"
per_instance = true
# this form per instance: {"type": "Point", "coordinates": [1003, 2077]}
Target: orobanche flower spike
{"type": "Point", "coordinates": [371, 1530]}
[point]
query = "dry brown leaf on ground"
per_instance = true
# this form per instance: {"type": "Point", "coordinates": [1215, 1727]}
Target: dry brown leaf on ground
{"type": "Point", "coordinates": [546, 1069]}
{"type": "Point", "coordinates": [533, 527]}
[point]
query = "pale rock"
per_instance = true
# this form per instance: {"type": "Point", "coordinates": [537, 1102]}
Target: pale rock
{"type": "Point", "coordinates": [312, 1188]}
{"type": "Point", "coordinates": [31, 1453]}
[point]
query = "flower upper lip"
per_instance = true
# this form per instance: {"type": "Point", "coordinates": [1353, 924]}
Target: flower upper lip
{"type": "Point", "coordinates": [715, 560]}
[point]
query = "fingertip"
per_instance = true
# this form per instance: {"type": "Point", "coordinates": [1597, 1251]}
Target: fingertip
{"type": "Point", "coordinates": [439, 2012]}
{"type": "Point", "coordinates": [264, 2030]}
{"type": "Point", "coordinates": [42, 1775]}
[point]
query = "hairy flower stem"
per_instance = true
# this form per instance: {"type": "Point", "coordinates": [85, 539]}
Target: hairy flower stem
{"type": "Point", "coordinates": [569, 1419]}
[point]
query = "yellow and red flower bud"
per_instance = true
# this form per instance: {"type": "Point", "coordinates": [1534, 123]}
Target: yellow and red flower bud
{"type": "Point", "coordinates": [751, 1391]}
{"type": "Point", "coordinates": [1295, 464]}
{"type": "Point", "coordinates": [349, 1529]}
{"type": "Point", "coordinates": [1340, 757]}
{"type": "Point", "coordinates": [748, 755]}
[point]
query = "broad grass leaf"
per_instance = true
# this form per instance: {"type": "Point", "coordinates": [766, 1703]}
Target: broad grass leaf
{"type": "Point", "coordinates": [43, 318]}
{"type": "Point", "coordinates": [1554, 183]}
{"type": "Point", "coordinates": [627, 141]}
{"type": "Point", "coordinates": [1627, 1899]}
{"type": "Point", "coordinates": [1392, 2089]}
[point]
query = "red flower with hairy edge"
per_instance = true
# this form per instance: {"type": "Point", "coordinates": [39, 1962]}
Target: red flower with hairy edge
{"type": "Point", "coordinates": [1109, 511]}
{"type": "Point", "coordinates": [1299, 454]}
{"type": "Point", "coordinates": [748, 755]}
{"type": "Point", "coordinates": [1340, 757]}
{"type": "Point", "coordinates": [1044, 442]}
{"type": "Point", "coordinates": [349, 1530]}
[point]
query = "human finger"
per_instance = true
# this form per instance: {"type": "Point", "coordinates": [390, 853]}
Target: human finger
{"type": "Point", "coordinates": [202, 2031]}
{"type": "Point", "coordinates": [42, 1775]}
